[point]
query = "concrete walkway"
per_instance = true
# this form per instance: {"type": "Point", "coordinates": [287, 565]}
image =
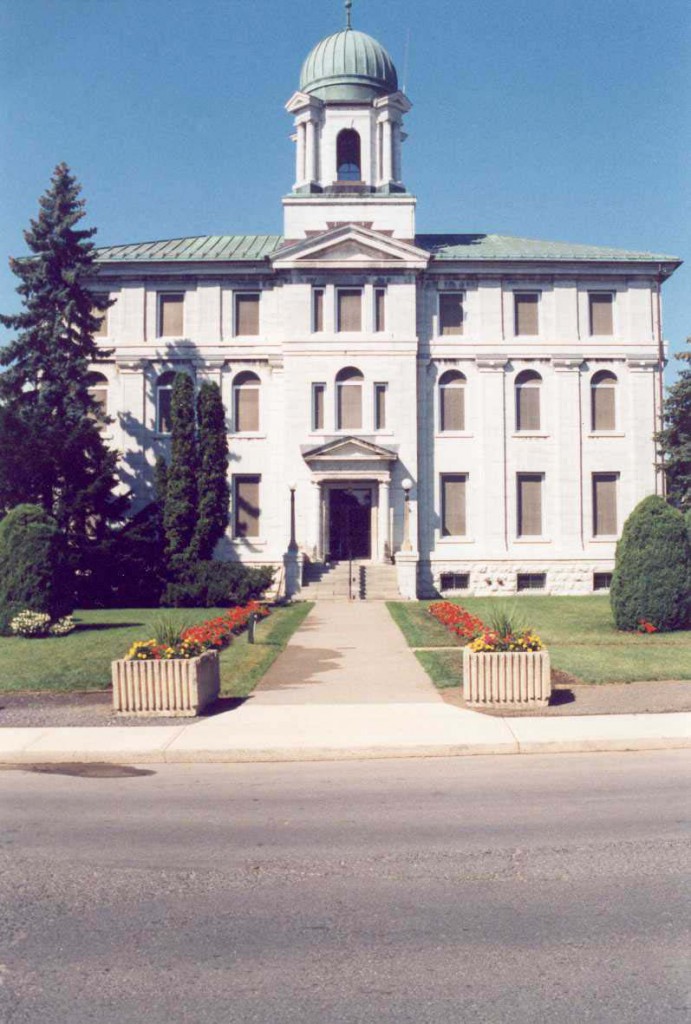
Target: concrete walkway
{"type": "Point", "coordinates": [346, 653]}
{"type": "Point", "coordinates": [346, 687]}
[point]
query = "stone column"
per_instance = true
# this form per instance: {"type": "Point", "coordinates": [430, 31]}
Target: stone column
{"type": "Point", "coordinates": [310, 152]}
{"type": "Point", "coordinates": [569, 487]}
{"type": "Point", "coordinates": [383, 520]}
{"type": "Point", "coordinates": [492, 531]}
{"type": "Point", "coordinates": [397, 175]}
{"type": "Point", "coordinates": [388, 152]}
{"type": "Point", "coordinates": [317, 549]}
{"type": "Point", "coordinates": [300, 170]}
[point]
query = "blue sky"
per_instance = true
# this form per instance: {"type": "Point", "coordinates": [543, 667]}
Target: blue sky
{"type": "Point", "coordinates": [543, 118]}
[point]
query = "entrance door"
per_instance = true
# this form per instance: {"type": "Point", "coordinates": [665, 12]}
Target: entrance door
{"type": "Point", "coordinates": [350, 523]}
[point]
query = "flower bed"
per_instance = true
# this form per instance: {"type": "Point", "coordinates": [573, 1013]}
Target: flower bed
{"type": "Point", "coordinates": [177, 673]}
{"type": "Point", "coordinates": [212, 635]}
{"type": "Point", "coordinates": [503, 663]}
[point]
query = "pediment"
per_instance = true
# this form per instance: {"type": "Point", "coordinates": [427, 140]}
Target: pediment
{"type": "Point", "coordinates": [350, 245]}
{"type": "Point", "coordinates": [349, 449]}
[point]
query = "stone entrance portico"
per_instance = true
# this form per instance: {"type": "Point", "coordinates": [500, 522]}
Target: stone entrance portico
{"type": "Point", "coordinates": [351, 472]}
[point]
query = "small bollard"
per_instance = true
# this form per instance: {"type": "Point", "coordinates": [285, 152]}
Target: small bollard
{"type": "Point", "coordinates": [251, 623]}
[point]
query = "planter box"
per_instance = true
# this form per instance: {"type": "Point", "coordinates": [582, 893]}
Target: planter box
{"type": "Point", "coordinates": [176, 688]}
{"type": "Point", "coordinates": [504, 678]}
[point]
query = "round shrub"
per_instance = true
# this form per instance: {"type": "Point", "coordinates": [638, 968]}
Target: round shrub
{"type": "Point", "coordinates": [652, 574]}
{"type": "Point", "coordinates": [34, 570]}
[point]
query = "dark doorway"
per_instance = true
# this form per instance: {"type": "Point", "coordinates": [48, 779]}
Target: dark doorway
{"type": "Point", "coordinates": [348, 155]}
{"type": "Point", "coordinates": [350, 523]}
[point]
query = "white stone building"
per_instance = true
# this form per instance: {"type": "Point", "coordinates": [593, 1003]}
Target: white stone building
{"type": "Point", "coordinates": [512, 385]}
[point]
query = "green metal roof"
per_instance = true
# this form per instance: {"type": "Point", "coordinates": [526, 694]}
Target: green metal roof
{"type": "Point", "coordinates": [254, 248]}
{"type": "Point", "coordinates": [506, 247]}
{"type": "Point", "coordinates": [203, 248]}
{"type": "Point", "coordinates": [347, 67]}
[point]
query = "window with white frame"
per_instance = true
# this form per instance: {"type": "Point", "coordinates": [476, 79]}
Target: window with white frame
{"type": "Point", "coordinates": [452, 401]}
{"type": "Point", "coordinates": [453, 504]}
{"type": "Point", "coordinates": [528, 387]}
{"type": "Point", "coordinates": [379, 310]}
{"type": "Point", "coordinates": [380, 406]}
{"type": "Point", "coordinates": [349, 309]}
{"type": "Point", "coordinates": [98, 390]}
{"type": "Point", "coordinates": [246, 314]}
{"type": "Point", "coordinates": [318, 403]}
{"type": "Point", "coordinates": [246, 507]}
{"type": "Point", "coordinates": [600, 313]}
{"type": "Point", "coordinates": [164, 401]}
{"type": "Point", "coordinates": [246, 388]}
{"type": "Point", "coordinates": [450, 313]}
{"type": "Point", "coordinates": [525, 312]}
{"type": "Point", "coordinates": [605, 504]}
{"type": "Point", "coordinates": [603, 401]}
{"type": "Point", "coordinates": [529, 504]}
{"type": "Point", "coordinates": [317, 310]}
{"type": "Point", "coordinates": [170, 314]}
{"type": "Point", "coordinates": [349, 383]}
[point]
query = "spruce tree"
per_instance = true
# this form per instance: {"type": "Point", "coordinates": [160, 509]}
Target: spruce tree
{"type": "Point", "coordinates": [50, 421]}
{"type": "Point", "coordinates": [180, 514]}
{"type": "Point", "coordinates": [675, 438]}
{"type": "Point", "coordinates": [214, 493]}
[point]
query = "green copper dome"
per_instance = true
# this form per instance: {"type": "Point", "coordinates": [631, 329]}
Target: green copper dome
{"type": "Point", "coordinates": [348, 67]}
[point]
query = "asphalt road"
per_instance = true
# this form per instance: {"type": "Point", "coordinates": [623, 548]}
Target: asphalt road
{"type": "Point", "coordinates": [503, 889]}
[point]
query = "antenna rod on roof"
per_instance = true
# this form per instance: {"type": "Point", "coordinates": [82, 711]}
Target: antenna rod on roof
{"type": "Point", "coordinates": [405, 62]}
{"type": "Point", "coordinates": [348, 7]}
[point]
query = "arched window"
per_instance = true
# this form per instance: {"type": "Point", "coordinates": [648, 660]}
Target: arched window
{"type": "Point", "coordinates": [348, 155]}
{"type": "Point", "coordinates": [164, 398]}
{"type": "Point", "coordinates": [98, 389]}
{"type": "Point", "coordinates": [246, 402]}
{"type": "Point", "coordinates": [349, 399]}
{"type": "Point", "coordinates": [603, 408]}
{"type": "Point", "coordinates": [528, 384]}
{"type": "Point", "coordinates": [452, 400]}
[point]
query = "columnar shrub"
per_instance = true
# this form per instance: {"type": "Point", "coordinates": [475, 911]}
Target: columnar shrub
{"type": "Point", "coordinates": [652, 575]}
{"type": "Point", "coordinates": [34, 570]}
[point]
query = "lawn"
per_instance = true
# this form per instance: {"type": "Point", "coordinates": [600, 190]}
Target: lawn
{"type": "Point", "coordinates": [578, 631]}
{"type": "Point", "coordinates": [81, 660]}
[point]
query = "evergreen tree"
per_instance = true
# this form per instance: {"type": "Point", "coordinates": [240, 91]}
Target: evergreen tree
{"type": "Point", "coordinates": [34, 572]}
{"type": "Point", "coordinates": [652, 574]}
{"type": "Point", "coordinates": [160, 482]}
{"type": "Point", "coordinates": [675, 438]}
{"type": "Point", "coordinates": [214, 493]}
{"type": "Point", "coordinates": [180, 513]}
{"type": "Point", "coordinates": [50, 423]}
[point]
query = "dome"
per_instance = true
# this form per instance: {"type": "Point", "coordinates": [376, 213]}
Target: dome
{"type": "Point", "coordinates": [348, 67]}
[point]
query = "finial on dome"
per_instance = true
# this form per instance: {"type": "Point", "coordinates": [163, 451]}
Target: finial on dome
{"type": "Point", "coordinates": [348, 7]}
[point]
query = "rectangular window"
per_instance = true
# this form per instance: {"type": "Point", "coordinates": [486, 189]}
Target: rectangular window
{"type": "Point", "coordinates": [453, 488]}
{"type": "Point", "coordinates": [452, 406]}
{"type": "Point", "coordinates": [450, 313]}
{"type": "Point", "coordinates": [318, 310]}
{"type": "Point", "coordinates": [602, 580]}
{"type": "Point", "coordinates": [246, 409]}
{"type": "Point", "coordinates": [529, 500]}
{"type": "Point", "coordinates": [380, 406]}
{"type": "Point", "coordinates": [380, 309]}
{"type": "Point", "coordinates": [603, 407]}
{"type": "Point", "coordinates": [102, 331]}
{"type": "Point", "coordinates": [246, 511]}
{"type": "Point", "coordinates": [349, 309]}
{"type": "Point", "coordinates": [246, 315]}
{"type": "Point", "coordinates": [528, 406]}
{"type": "Point", "coordinates": [605, 504]}
{"type": "Point", "coordinates": [164, 397]}
{"type": "Point", "coordinates": [170, 316]}
{"type": "Point", "coordinates": [601, 307]}
{"type": "Point", "coordinates": [318, 396]}
{"type": "Point", "coordinates": [525, 313]}
{"type": "Point", "coordinates": [454, 581]}
{"type": "Point", "coordinates": [349, 413]}
{"type": "Point", "coordinates": [531, 581]}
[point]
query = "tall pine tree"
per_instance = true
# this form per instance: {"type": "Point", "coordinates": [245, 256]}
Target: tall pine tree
{"type": "Point", "coordinates": [214, 493]}
{"type": "Point", "coordinates": [675, 438]}
{"type": "Point", "coordinates": [180, 515]}
{"type": "Point", "coordinates": [50, 422]}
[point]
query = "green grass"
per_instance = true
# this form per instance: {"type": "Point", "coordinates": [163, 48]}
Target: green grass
{"type": "Point", "coordinates": [81, 660]}
{"type": "Point", "coordinates": [579, 632]}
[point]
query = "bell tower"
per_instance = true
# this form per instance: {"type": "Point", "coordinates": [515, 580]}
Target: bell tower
{"type": "Point", "coordinates": [348, 137]}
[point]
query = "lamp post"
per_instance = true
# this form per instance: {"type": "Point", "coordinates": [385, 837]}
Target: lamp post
{"type": "Point", "coordinates": [292, 546]}
{"type": "Point", "coordinates": [407, 485]}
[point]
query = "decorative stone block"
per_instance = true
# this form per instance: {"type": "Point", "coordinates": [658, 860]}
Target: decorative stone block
{"type": "Point", "coordinates": [176, 688]}
{"type": "Point", "coordinates": [506, 678]}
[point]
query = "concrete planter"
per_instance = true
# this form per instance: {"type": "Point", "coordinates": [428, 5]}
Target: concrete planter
{"type": "Point", "coordinates": [506, 678]}
{"type": "Point", "coordinates": [176, 688]}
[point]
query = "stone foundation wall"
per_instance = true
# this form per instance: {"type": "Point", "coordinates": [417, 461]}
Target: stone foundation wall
{"type": "Point", "coordinates": [497, 578]}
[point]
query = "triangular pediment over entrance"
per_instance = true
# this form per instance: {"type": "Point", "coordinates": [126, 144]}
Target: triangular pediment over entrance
{"type": "Point", "coordinates": [351, 246]}
{"type": "Point", "coordinates": [350, 449]}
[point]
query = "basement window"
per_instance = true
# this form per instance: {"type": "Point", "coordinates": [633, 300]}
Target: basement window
{"type": "Point", "coordinates": [454, 581]}
{"type": "Point", "coordinates": [531, 581]}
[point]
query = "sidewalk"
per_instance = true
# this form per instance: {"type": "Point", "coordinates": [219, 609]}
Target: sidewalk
{"type": "Point", "coordinates": [346, 687]}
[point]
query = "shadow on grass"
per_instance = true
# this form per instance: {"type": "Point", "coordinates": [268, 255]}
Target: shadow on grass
{"type": "Point", "coordinates": [92, 627]}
